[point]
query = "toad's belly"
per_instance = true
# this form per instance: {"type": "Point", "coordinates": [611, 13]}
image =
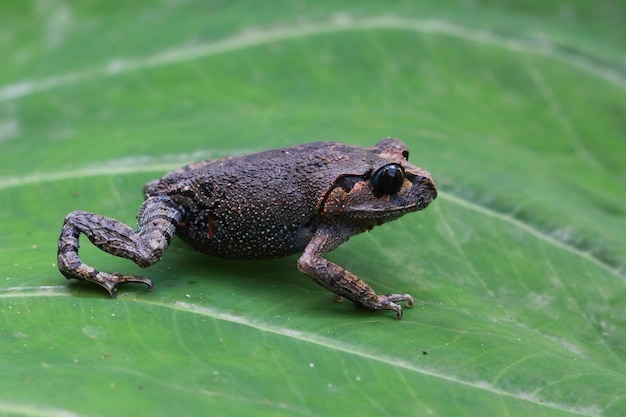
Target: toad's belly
{"type": "Point", "coordinates": [238, 237]}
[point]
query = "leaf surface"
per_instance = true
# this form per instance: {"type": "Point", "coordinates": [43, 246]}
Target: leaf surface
{"type": "Point", "coordinates": [519, 113]}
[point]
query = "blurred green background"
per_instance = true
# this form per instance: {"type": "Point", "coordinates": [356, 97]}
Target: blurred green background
{"type": "Point", "coordinates": [517, 108]}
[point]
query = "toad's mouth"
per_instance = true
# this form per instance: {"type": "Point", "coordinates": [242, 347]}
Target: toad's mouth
{"type": "Point", "coordinates": [383, 212]}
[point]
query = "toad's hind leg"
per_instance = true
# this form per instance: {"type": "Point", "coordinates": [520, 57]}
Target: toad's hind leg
{"type": "Point", "coordinates": [156, 225]}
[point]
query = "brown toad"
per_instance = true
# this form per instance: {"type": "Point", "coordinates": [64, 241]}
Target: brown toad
{"type": "Point", "coordinates": [307, 198]}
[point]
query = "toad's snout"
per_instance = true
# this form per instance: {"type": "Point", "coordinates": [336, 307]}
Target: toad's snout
{"type": "Point", "coordinates": [423, 189]}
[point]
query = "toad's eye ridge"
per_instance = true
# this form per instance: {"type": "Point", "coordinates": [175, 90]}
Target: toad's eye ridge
{"type": "Point", "coordinates": [388, 179]}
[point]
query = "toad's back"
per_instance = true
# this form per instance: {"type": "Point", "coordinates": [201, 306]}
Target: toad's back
{"type": "Point", "coordinates": [258, 206]}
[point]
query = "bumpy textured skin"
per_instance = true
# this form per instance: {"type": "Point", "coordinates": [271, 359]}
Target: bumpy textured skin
{"type": "Point", "coordinates": [307, 198]}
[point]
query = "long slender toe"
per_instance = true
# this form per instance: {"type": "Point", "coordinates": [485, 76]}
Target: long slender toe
{"type": "Point", "coordinates": [410, 301]}
{"type": "Point", "coordinates": [110, 281]}
{"type": "Point", "coordinates": [388, 302]}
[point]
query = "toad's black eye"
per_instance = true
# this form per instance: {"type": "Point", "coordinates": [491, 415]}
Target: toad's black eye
{"type": "Point", "coordinates": [388, 179]}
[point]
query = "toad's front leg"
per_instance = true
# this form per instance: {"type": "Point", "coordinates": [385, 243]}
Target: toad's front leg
{"type": "Point", "coordinates": [156, 225]}
{"type": "Point", "coordinates": [340, 281]}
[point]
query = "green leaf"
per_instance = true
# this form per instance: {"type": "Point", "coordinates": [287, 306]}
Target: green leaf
{"type": "Point", "coordinates": [518, 111]}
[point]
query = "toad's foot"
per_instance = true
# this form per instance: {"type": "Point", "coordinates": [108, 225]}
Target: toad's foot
{"type": "Point", "coordinates": [72, 268]}
{"type": "Point", "coordinates": [383, 302]}
{"type": "Point", "coordinates": [109, 281]}
{"type": "Point", "coordinates": [388, 302]}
